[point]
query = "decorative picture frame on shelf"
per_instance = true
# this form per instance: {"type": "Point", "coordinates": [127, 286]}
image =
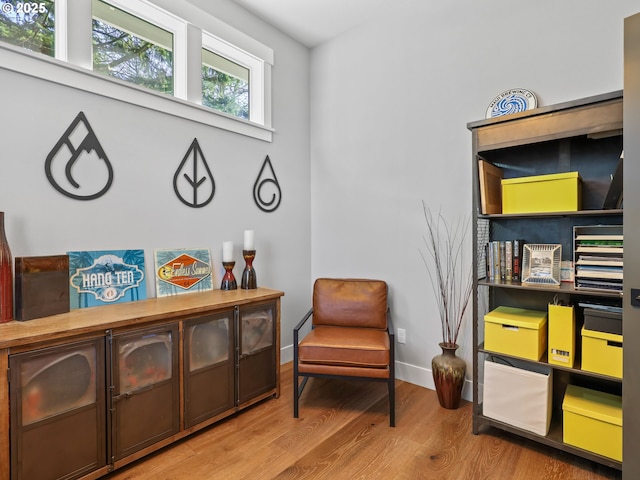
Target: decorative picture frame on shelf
{"type": "Point", "coordinates": [490, 178]}
{"type": "Point", "coordinates": [541, 264]}
{"type": "Point", "coordinates": [183, 270]}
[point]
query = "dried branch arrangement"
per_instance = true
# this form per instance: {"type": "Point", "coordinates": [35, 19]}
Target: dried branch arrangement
{"type": "Point", "coordinates": [451, 277]}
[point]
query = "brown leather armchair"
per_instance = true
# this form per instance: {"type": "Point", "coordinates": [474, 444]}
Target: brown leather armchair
{"type": "Point", "coordinates": [352, 336]}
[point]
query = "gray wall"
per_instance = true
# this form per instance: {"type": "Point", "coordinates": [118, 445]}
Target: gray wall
{"type": "Point", "coordinates": [389, 106]}
{"type": "Point", "coordinates": [145, 147]}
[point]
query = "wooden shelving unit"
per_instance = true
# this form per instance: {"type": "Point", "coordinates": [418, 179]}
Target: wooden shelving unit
{"type": "Point", "coordinates": [585, 136]}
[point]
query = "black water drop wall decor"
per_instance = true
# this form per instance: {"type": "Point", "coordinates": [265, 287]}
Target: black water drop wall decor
{"type": "Point", "coordinates": [77, 166]}
{"type": "Point", "coordinates": [193, 188]}
{"type": "Point", "coordinates": [267, 180]}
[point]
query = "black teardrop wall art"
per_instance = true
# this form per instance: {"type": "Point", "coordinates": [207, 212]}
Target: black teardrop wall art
{"type": "Point", "coordinates": [77, 166]}
{"type": "Point", "coordinates": [193, 182]}
{"type": "Point", "coordinates": [267, 183]}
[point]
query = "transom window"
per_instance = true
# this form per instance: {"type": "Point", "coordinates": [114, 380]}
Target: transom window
{"type": "Point", "coordinates": [225, 85]}
{"type": "Point", "coordinates": [131, 49]}
{"type": "Point", "coordinates": [232, 78]}
{"type": "Point", "coordinates": [136, 41]}
{"type": "Point", "coordinates": [29, 25]}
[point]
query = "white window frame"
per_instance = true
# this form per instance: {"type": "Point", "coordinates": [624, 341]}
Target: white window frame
{"type": "Point", "coordinates": [252, 63]}
{"type": "Point", "coordinates": [169, 22]}
{"type": "Point", "coordinates": [60, 31]}
{"type": "Point", "coordinates": [178, 17]}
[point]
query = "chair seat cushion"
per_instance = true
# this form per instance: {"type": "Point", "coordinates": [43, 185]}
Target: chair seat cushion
{"type": "Point", "coordinates": [345, 346]}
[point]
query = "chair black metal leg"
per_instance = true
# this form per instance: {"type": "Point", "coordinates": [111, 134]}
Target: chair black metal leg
{"type": "Point", "coordinates": [392, 402]}
{"type": "Point", "coordinates": [295, 390]}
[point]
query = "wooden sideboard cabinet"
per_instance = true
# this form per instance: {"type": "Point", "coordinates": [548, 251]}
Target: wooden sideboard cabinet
{"type": "Point", "coordinates": [86, 392]}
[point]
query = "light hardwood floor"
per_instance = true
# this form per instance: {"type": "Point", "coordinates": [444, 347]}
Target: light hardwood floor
{"type": "Point", "coordinates": [343, 433]}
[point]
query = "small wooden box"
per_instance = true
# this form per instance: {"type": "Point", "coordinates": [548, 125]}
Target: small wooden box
{"type": "Point", "coordinates": [42, 286]}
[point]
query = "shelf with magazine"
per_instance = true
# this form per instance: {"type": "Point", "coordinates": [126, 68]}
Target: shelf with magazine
{"type": "Point", "coordinates": [598, 257]}
{"type": "Point", "coordinates": [545, 229]}
{"type": "Point", "coordinates": [544, 190]}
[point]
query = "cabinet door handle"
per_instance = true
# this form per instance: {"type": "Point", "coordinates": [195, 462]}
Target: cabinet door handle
{"type": "Point", "coordinates": [128, 395]}
{"type": "Point", "coordinates": [635, 297]}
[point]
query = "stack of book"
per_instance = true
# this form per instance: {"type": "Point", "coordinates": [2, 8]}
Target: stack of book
{"type": "Point", "coordinates": [599, 261]}
{"type": "Point", "coordinates": [504, 260]}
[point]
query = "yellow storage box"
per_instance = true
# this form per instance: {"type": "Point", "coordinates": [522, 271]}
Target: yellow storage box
{"type": "Point", "coordinates": [516, 331]}
{"type": "Point", "coordinates": [558, 192]}
{"type": "Point", "coordinates": [562, 335]}
{"type": "Point", "coordinates": [602, 352]}
{"type": "Point", "coordinates": [592, 420]}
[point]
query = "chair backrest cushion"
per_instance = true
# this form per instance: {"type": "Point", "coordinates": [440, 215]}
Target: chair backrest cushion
{"type": "Point", "coordinates": [350, 303]}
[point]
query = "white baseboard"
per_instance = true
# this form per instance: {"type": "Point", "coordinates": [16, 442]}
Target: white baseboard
{"type": "Point", "coordinates": [404, 371]}
{"type": "Point", "coordinates": [423, 377]}
{"type": "Point", "coordinates": [286, 354]}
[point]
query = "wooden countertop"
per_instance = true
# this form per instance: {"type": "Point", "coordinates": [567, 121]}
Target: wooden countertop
{"type": "Point", "coordinates": [85, 321]}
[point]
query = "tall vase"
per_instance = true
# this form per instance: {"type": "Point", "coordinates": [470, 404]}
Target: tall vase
{"type": "Point", "coordinates": [6, 276]}
{"type": "Point", "coordinates": [448, 375]}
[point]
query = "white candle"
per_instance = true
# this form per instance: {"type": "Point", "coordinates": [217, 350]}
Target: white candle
{"type": "Point", "coordinates": [227, 252]}
{"type": "Point", "coordinates": [248, 240]}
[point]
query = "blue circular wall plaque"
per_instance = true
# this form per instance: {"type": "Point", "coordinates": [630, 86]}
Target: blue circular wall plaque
{"type": "Point", "coordinates": [511, 101]}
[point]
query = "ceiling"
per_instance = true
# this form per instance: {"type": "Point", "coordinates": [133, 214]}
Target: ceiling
{"type": "Point", "coordinates": [313, 22]}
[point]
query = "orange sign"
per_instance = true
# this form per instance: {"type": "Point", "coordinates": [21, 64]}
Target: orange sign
{"type": "Point", "coordinates": [184, 271]}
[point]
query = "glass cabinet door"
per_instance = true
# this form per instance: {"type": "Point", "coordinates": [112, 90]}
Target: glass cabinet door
{"type": "Point", "coordinates": [144, 361]}
{"type": "Point", "coordinates": [257, 331]}
{"type": "Point", "coordinates": [145, 388]}
{"type": "Point", "coordinates": [209, 366]}
{"type": "Point", "coordinates": [58, 411]}
{"type": "Point", "coordinates": [257, 359]}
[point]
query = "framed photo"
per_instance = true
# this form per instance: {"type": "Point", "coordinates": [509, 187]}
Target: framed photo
{"type": "Point", "coordinates": [541, 264]}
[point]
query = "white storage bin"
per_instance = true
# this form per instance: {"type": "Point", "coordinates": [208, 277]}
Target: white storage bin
{"type": "Point", "coordinates": [520, 395]}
